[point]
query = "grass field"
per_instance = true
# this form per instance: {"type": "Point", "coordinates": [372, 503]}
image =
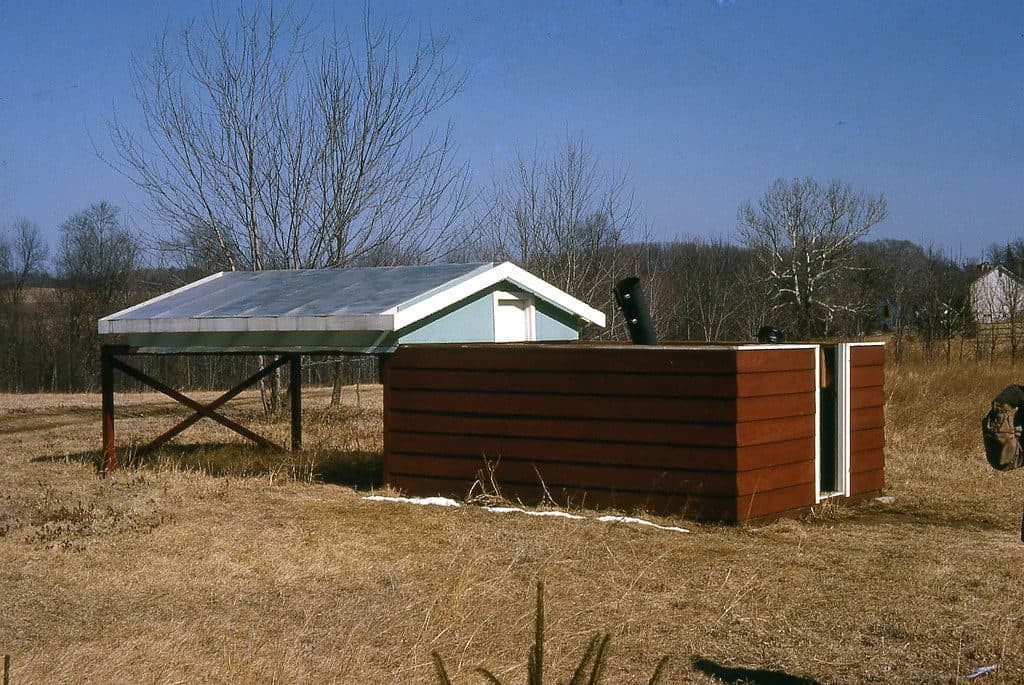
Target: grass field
{"type": "Point", "coordinates": [211, 562]}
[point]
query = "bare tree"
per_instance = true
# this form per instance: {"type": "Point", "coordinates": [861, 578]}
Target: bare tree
{"type": "Point", "coordinates": [6, 272]}
{"type": "Point", "coordinates": [566, 219]}
{"type": "Point", "coordinates": [891, 282]}
{"type": "Point", "coordinates": [198, 251]}
{"type": "Point", "coordinates": [944, 308]}
{"type": "Point", "coordinates": [803, 233]}
{"type": "Point", "coordinates": [1009, 255]}
{"type": "Point", "coordinates": [22, 253]}
{"type": "Point", "coordinates": [289, 155]}
{"type": "Point", "coordinates": [96, 262]}
{"type": "Point", "coordinates": [710, 293]}
{"type": "Point", "coordinates": [262, 149]}
{"type": "Point", "coordinates": [97, 257]}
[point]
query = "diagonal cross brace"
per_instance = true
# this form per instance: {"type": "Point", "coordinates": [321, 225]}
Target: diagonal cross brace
{"type": "Point", "coordinates": [217, 403]}
{"type": "Point", "coordinates": [201, 411]}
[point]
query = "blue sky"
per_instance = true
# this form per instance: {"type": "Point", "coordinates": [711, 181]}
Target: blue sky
{"type": "Point", "coordinates": [704, 103]}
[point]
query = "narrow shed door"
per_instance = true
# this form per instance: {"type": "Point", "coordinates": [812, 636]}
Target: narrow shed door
{"type": "Point", "coordinates": [833, 467]}
{"type": "Point", "coordinates": [513, 318]}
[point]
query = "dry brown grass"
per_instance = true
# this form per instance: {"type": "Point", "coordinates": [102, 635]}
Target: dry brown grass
{"type": "Point", "coordinates": [220, 564]}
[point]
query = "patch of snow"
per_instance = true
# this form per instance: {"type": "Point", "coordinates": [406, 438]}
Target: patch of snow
{"type": "Point", "coordinates": [981, 671]}
{"type": "Point", "coordinates": [446, 502]}
{"type": "Point", "coordinates": [436, 501]}
{"type": "Point", "coordinates": [557, 514]}
{"type": "Point", "coordinates": [642, 522]}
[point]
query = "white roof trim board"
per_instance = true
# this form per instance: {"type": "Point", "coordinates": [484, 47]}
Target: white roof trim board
{"type": "Point", "coordinates": [474, 278]}
{"type": "Point", "coordinates": [506, 271]}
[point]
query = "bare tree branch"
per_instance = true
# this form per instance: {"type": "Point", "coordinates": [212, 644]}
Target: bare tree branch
{"type": "Point", "coordinates": [564, 218]}
{"type": "Point", "coordinates": [275, 152]}
{"type": "Point", "coordinates": [803, 234]}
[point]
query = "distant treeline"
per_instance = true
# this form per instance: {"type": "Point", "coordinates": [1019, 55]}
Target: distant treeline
{"type": "Point", "coordinates": [697, 289]}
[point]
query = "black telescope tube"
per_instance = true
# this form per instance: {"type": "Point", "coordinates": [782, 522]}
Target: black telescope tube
{"type": "Point", "coordinates": [630, 298]}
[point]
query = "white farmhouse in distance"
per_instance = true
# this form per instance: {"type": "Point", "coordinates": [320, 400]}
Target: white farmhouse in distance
{"type": "Point", "coordinates": [996, 295]}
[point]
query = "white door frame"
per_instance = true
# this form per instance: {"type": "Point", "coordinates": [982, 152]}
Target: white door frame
{"type": "Point", "coordinates": [842, 424]}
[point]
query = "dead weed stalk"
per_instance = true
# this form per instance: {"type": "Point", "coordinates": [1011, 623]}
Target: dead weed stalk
{"type": "Point", "coordinates": [588, 670]}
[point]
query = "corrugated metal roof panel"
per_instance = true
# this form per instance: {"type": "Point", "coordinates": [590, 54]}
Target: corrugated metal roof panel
{"type": "Point", "coordinates": [310, 292]}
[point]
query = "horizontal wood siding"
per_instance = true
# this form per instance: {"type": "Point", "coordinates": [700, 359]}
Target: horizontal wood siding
{"type": "Point", "coordinates": [711, 410]}
{"type": "Point", "coordinates": [867, 419]}
{"type": "Point", "coordinates": [711, 433]}
{"type": "Point", "coordinates": [772, 502]}
{"type": "Point", "coordinates": [868, 481]}
{"type": "Point", "coordinates": [616, 384]}
{"type": "Point", "coordinates": [618, 477]}
{"type": "Point", "coordinates": [867, 355]}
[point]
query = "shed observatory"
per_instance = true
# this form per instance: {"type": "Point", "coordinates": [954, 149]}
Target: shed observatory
{"type": "Point", "coordinates": [289, 313]}
{"type": "Point", "coordinates": [358, 310]}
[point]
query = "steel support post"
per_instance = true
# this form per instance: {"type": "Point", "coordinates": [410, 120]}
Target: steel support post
{"type": "Point", "coordinates": [295, 394]}
{"type": "Point", "coordinates": [107, 389]}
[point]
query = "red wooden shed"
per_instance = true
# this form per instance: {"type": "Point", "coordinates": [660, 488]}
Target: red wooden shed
{"type": "Point", "coordinates": [715, 432]}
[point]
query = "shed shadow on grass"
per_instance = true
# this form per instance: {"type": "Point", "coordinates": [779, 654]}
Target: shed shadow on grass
{"type": "Point", "coordinates": [356, 469]}
{"type": "Point", "coordinates": [912, 514]}
{"type": "Point", "coordinates": [736, 675]}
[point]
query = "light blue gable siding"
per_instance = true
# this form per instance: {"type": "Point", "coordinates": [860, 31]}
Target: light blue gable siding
{"type": "Point", "coordinates": [471, 320]}
{"type": "Point", "coordinates": [555, 324]}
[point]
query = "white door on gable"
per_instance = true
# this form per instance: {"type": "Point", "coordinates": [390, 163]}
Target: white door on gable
{"type": "Point", "coordinates": [513, 318]}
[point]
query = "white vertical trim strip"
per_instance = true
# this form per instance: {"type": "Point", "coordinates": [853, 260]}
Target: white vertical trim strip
{"type": "Point", "coordinates": [531, 319]}
{"type": "Point", "coordinates": [843, 417]}
{"type": "Point", "coordinates": [495, 296]}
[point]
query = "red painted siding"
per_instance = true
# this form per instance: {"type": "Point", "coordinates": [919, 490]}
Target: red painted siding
{"type": "Point", "coordinates": [867, 418]}
{"type": "Point", "coordinates": [722, 434]}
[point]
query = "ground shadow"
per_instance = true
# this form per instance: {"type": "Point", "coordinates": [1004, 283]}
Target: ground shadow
{"type": "Point", "coordinates": [92, 457]}
{"type": "Point", "coordinates": [914, 514]}
{"type": "Point", "coordinates": [976, 522]}
{"type": "Point", "coordinates": [357, 469]}
{"type": "Point", "coordinates": [735, 675]}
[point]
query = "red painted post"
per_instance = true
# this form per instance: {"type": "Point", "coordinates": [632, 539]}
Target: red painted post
{"type": "Point", "coordinates": [107, 389]}
{"type": "Point", "coordinates": [295, 392]}
{"type": "Point", "coordinates": [384, 376]}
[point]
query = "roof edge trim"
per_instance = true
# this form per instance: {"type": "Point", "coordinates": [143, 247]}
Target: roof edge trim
{"type": "Point", "coordinates": [506, 271]}
{"type": "Point", "coordinates": [104, 325]}
{"type": "Point", "coordinates": [480, 267]}
{"type": "Point", "coordinates": [252, 324]}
